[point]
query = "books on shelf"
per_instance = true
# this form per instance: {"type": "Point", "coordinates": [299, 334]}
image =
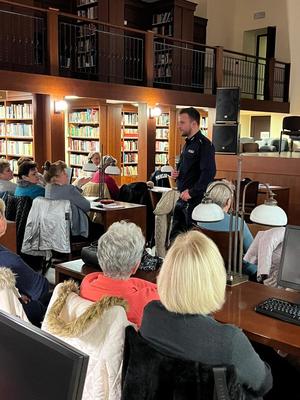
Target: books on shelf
{"type": "Point", "coordinates": [162, 133]}
{"type": "Point", "coordinates": [3, 146]}
{"type": "Point", "coordinates": [2, 111]}
{"type": "Point", "coordinates": [130, 145]}
{"type": "Point", "coordinates": [2, 129]}
{"type": "Point", "coordinates": [78, 159]}
{"type": "Point", "coordinates": [14, 165]}
{"type": "Point", "coordinates": [84, 131]}
{"type": "Point", "coordinates": [162, 146]}
{"type": "Point", "coordinates": [161, 158]}
{"type": "Point", "coordinates": [19, 148]}
{"type": "Point", "coordinates": [83, 145]}
{"type": "Point", "coordinates": [129, 170]}
{"type": "Point", "coordinates": [84, 116]}
{"type": "Point", "coordinates": [162, 18]}
{"type": "Point", "coordinates": [130, 118]}
{"type": "Point", "coordinates": [19, 130]}
{"type": "Point", "coordinates": [19, 111]}
{"type": "Point", "coordinates": [91, 12]}
{"type": "Point", "coordinates": [130, 158]}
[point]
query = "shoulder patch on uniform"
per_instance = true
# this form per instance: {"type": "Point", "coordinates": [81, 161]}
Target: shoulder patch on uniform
{"type": "Point", "coordinates": [191, 151]}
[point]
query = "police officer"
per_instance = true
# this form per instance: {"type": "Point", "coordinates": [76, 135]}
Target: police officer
{"type": "Point", "coordinates": [196, 169]}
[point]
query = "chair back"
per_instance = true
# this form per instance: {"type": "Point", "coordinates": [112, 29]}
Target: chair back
{"type": "Point", "coordinates": [291, 125]}
{"type": "Point", "coordinates": [151, 375]}
{"type": "Point", "coordinates": [251, 194]}
{"type": "Point", "coordinates": [250, 147]}
{"type": "Point", "coordinates": [221, 239]}
{"type": "Point", "coordinates": [97, 329]}
{"type": "Point", "coordinates": [91, 189]}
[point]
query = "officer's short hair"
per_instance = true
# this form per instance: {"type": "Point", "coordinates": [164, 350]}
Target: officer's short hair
{"type": "Point", "coordinates": [192, 113]}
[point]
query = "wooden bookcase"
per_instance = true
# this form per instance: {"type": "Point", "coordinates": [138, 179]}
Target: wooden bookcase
{"type": "Point", "coordinates": [129, 144]}
{"type": "Point", "coordinates": [174, 18]}
{"type": "Point", "coordinates": [82, 134]}
{"type": "Point", "coordinates": [17, 126]}
{"type": "Point", "coordinates": [162, 139]}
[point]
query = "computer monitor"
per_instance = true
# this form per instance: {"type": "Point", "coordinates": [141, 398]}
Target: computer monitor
{"type": "Point", "coordinates": [289, 270]}
{"type": "Point", "coordinates": [35, 365]}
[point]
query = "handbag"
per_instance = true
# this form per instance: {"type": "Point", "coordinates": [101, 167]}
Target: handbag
{"type": "Point", "coordinates": [89, 255]}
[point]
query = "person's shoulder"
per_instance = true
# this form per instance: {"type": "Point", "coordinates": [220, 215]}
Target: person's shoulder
{"type": "Point", "coordinates": [142, 283]}
{"type": "Point", "coordinates": [7, 255]}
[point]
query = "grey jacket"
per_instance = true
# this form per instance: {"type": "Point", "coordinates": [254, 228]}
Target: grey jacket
{"type": "Point", "coordinates": [79, 205]}
{"type": "Point", "coordinates": [48, 227]}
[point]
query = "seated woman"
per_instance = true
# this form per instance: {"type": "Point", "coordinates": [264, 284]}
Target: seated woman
{"type": "Point", "coordinates": [222, 196]}
{"type": "Point", "coordinates": [110, 182]}
{"type": "Point", "coordinates": [191, 286]}
{"type": "Point", "coordinates": [58, 188]}
{"type": "Point", "coordinates": [6, 176]}
{"type": "Point", "coordinates": [40, 176]}
{"type": "Point", "coordinates": [28, 182]}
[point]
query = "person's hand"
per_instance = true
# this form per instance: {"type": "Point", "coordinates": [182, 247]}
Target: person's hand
{"type": "Point", "coordinates": [185, 196]}
{"type": "Point", "coordinates": [82, 181]}
{"type": "Point", "coordinates": [174, 174]}
{"type": "Point", "coordinates": [24, 299]}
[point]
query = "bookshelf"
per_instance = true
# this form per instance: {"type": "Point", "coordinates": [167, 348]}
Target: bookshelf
{"type": "Point", "coordinates": [129, 143]}
{"type": "Point", "coordinates": [16, 129]}
{"type": "Point", "coordinates": [173, 18]}
{"type": "Point", "coordinates": [162, 139]}
{"type": "Point", "coordinates": [82, 135]}
{"type": "Point", "coordinates": [86, 38]}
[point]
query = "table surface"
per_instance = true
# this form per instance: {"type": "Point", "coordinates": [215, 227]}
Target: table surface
{"type": "Point", "coordinates": [239, 310]}
{"type": "Point", "coordinates": [116, 205]}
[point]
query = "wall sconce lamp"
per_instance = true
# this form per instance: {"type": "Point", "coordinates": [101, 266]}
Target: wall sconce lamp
{"type": "Point", "coordinates": [60, 106]}
{"type": "Point", "coordinates": [154, 112]}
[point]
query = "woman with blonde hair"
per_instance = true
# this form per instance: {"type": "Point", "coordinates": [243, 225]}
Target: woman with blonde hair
{"type": "Point", "coordinates": [191, 286]}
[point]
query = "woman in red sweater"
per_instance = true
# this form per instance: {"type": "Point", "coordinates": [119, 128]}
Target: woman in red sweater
{"type": "Point", "coordinates": [110, 182]}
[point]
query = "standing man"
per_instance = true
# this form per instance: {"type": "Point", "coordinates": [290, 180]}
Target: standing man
{"type": "Point", "coordinates": [196, 169]}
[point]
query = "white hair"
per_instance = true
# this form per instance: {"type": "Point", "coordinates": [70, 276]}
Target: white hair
{"type": "Point", "coordinates": [120, 249]}
{"type": "Point", "coordinates": [220, 194]}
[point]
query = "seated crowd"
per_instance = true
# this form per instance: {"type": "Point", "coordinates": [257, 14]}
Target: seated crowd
{"type": "Point", "coordinates": [174, 315]}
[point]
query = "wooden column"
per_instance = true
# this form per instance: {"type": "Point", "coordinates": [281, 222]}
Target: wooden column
{"type": "Point", "coordinates": [52, 41]}
{"type": "Point", "coordinates": [219, 68]}
{"type": "Point", "coordinates": [151, 133]}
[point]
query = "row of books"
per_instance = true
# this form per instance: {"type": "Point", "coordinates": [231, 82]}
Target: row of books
{"type": "Point", "coordinates": [84, 131]}
{"type": "Point", "coordinates": [84, 2]}
{"type": "Point", "coordinates": [130, 145]}
{"type": "Point", "coordinates": [162, 18]}
{"type": "Point", "coordinates": [19, 130]}
{"type": "Point", "coordinates": [14, 165]}
{"type": "Point", "coordinates": [19, 147]}
{"type": "Point", "coordinates": [83, 145]}
{"type": "Point", "coordinates": [163, 71]}
{"type": "Point", "coordinates": [162, 146]}
{"type": "Point", "coordinates": [3, 146]}
{"type": "Point", "coordinates": [86, 61]}
{"type": "Point", "coordinates": [162, 133]}
{"type": "Point", "coordinates": [130, 158]}
{"type": "Point", "coordinates": [130, 132]}
{"type": "Point", "coordinates": [129, 170]}
{"type": "Point", "coordinates": [161, 158]}
{"type": "Point", "coordinates": [163, 119]}
{"type": "Point", "coordinates": [86, 29]}
{"type": "Point", "coordinates": [19, 111]}
{"type": "Point", "coordinates": [2, 129]}
{"type": "Point", "coordinates": [87, 44]}
{"type": "Point", "coordinates": [91, 13]}
{"type": "Point", "coordinates": [78, 159]}
{"type": "Point", "coordinates": [88, 115]}
{"type": "Point", "coordinates": [76, 171]}
{"type": "Point", "coordinates": [130, 118]}
{"type": "Point", "coordinates": [164, 30]}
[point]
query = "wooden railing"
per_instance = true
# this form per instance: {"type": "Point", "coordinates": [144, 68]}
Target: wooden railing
{"type": "Point", "coordinates": [51, 42]}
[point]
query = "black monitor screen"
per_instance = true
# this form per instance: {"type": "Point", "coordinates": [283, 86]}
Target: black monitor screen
{"type": "Point", "coordinates": [35, 365]}
{"type": "Point", "coordinates": [289, 271]}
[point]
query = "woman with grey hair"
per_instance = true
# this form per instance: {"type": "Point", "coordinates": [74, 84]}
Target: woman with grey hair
{"type": "Point", "coordinates": [223, 196]}
{"type": "Point", "coordinates": [100, 175]}
{"type": "Point", "coordinates": [119, 254]}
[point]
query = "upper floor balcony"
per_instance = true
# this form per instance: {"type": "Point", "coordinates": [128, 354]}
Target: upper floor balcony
{"type": "Point", "coordinates": [54, 43]}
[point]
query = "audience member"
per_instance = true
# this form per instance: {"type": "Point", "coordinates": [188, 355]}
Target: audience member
{"type": "Point", "coordinates": [6, 176]}
{"type": "Point", "coordinates": [28, 182]}
{"type": "Point", "coordinates": [191, 286]}
{"type": "Point", "coordinates": [94, 157]}
{"type": "Point", "coordinates": [110, 182]}
{"type": "Point", "coordinates": [40, 176]}
{"type": "Point", "coordinates": [265, 251]}
{"type": "Point", "coordinates": [222, 195]}
{"type": "Point", "coordinates": [119, 254]}
{"type": "Point", "coordinates": [33, 287]}
{"type": "Point", "coordinates": [160, 178]}
{"type": "Point", "coordinates": [59, 188]}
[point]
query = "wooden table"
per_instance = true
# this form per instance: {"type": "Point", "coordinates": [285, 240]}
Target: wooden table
{"type": "Point", "coordinates": [77, 270]}
{"type": "Point", "coordinates": [129, 211]}
{"type": "Point", "coordinates": [239, 310]}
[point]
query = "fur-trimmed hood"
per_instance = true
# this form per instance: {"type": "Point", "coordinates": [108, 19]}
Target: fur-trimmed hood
{"type": "Point", "coordinates": [75, 328]}
{"type": "Point", "coordinates": [7, 278]}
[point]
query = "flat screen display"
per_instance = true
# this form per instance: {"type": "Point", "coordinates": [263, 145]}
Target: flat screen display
{"type": "Point", "coordinates": [289, 271]}
{"type": "Point", "coordinates": [35, 365]}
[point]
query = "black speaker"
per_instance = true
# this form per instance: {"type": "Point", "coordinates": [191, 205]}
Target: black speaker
{"type": "Point", "coordinates": [225, 138]}
{"type": "Point", "coordinates": [227, 105]}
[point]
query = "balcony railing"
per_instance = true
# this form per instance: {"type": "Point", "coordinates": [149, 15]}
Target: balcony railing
{"type": "Point", "coordinates": [50, 42]}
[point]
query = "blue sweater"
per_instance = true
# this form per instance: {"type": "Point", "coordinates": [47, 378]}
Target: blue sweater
{"type": "Point", "coordinates": [28, 281]}
{"type": "Point", "coordinates": [30, 190]}
{"type": "Point", "coordinates": [223, 226]}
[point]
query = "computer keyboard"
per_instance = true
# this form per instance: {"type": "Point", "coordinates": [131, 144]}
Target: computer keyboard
{"type": "Point", "coordinates": [280, 309]}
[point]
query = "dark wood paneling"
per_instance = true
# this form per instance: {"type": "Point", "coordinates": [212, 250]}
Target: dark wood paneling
{"type": "Point", "coordinates": [281, 171]}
